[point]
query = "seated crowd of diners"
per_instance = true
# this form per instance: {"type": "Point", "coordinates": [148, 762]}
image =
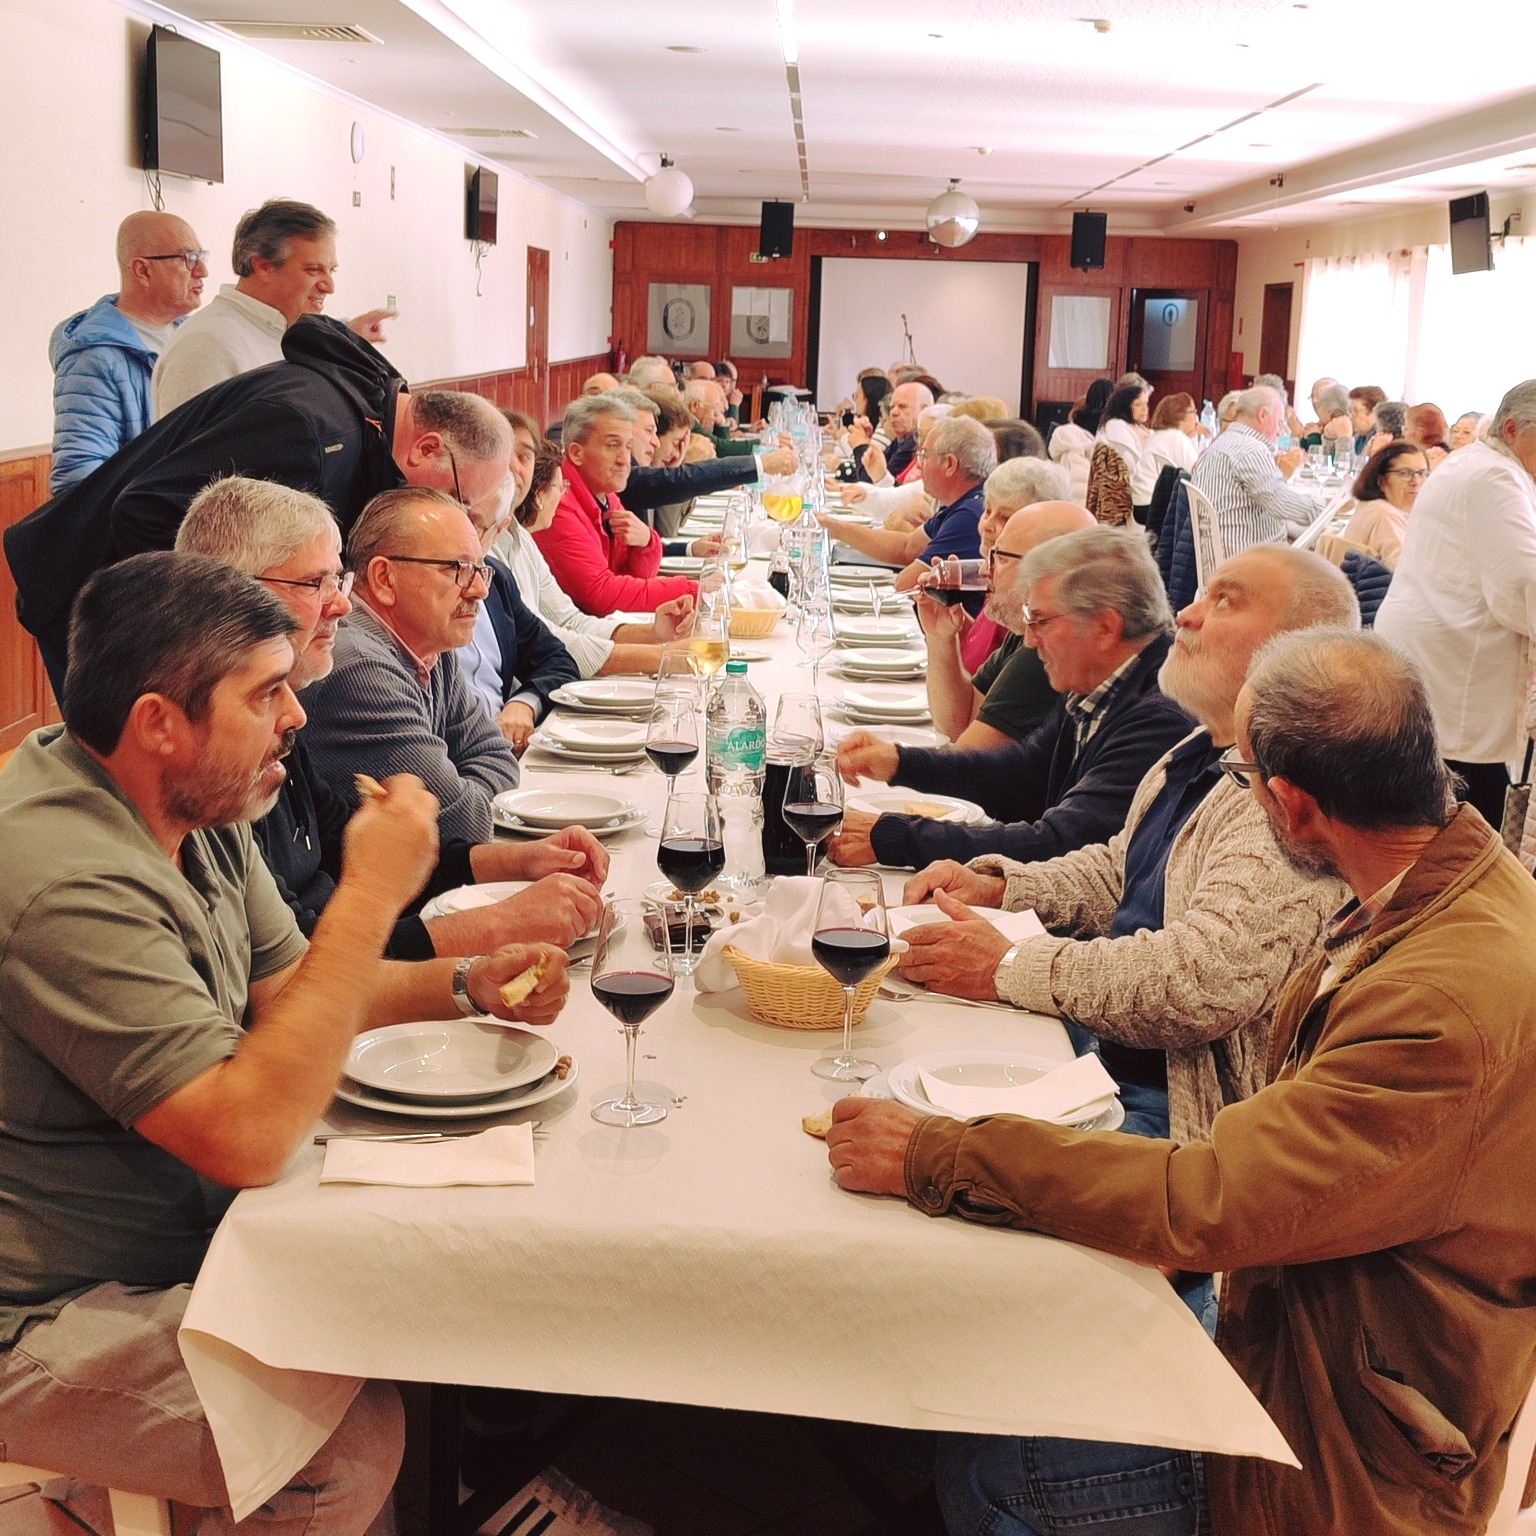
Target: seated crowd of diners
{"type": "Point", "coordinates": [304, 623]}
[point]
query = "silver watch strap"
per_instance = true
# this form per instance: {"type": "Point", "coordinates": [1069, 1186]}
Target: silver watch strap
{"type": "Point", "coordinates": [1002, 965]}
{"type": "Point", "coordinates": [462, 1000]}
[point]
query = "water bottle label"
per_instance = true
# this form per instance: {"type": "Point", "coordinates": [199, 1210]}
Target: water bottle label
{"type": "Point", "coordinates": [744, 746]}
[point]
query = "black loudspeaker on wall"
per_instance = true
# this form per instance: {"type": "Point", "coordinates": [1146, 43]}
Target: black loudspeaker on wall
{"type": "Point", "coordinates": [777, 234]}
{"type": "Point", "coordinates": [1088, 240]}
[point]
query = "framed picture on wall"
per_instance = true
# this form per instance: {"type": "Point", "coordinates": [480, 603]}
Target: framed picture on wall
{"type": "Point", "coordinates": [678, 320]}
{"type": "Point", "coordinates": [762, 322]}
{"type": "Point", "coordinates": [1079, 331]}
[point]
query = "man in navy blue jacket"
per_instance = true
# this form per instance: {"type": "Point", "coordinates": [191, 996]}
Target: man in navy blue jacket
{"type": "Point", "coordinates": [1092, 603]}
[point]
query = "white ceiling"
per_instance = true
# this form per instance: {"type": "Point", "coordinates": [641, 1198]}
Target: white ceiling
{"type": "Point", "coordinates": [1203, 101]}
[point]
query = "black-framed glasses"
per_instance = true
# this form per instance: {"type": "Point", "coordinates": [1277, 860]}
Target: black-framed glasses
{"type": "Point", "coordinates": [1237, 770]}
{"type": "Point", "coordinates": [995, 554]}
{"type": "Point", "coordinates": [465, 572]}
{"type": "Point", "coordinates": [1409, 474]}
{"type": "Point", "coordinates": [193, 259]}
{"type": "Point", "coordinates": [332, 584]}
{"type": "Point", "coordinates": [458, 494]}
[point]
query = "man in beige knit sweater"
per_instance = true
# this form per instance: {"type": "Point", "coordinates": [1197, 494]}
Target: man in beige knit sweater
{"type": "Point", "coordinates": [1169, 943]}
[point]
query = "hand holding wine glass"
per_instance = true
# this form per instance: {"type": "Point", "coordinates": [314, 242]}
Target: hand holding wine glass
{"type": "Point", "coordinates": [851, 941]}
{"type": "Point", "coordinates": [632, 976]}
{"type": "Point", "coordinates": [813, 804]}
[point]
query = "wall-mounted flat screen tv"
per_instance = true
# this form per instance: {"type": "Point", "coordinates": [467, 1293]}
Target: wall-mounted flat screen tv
{"type": "Point", "coordinates": [480, 210]}
{"type": "Point", "coordinates": [183, 112]}
{"type": "Point", "coordinates": [1471, 248]}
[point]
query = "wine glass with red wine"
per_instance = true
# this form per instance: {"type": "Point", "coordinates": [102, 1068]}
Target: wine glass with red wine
{"type": "Point", "coordinates": [690, 854]}
{"type": "Point", "coordinates": [672, 734]}
{"type": "Point", "coordinates": [813, 804]}
{"type": "Point", "coordinates": [631, 977]}
{"type": "Point", "coordinates": [951, 580]}
{"type": "Point", "coordinates": [851, 941]}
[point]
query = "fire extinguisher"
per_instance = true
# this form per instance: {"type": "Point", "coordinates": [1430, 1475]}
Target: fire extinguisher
{"type": "Point", "coordinates": [620, 359]}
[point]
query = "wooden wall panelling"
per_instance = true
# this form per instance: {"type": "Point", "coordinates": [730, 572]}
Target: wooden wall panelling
{"type": "Point", "coordinates": [26, 701]}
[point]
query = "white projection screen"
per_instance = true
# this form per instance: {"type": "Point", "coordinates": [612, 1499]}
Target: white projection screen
{"type": "Point", "coordinates": [966, 317]}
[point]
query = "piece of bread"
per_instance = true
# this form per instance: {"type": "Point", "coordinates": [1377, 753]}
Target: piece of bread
{"type": "Point", "coordinates": [817, 1125]}
{"type": "Point", "coordinates": [369, 788]}
{"type": "Point", "coordinates": [930, 808]}
{"type": "Point", "coordinates": [517, 990]}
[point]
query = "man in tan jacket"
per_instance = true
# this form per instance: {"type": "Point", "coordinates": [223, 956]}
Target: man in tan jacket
{"type": "Point", "coordinates": [1374, 1207]}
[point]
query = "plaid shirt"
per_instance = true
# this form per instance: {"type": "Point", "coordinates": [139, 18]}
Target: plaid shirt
{"type": "Point", "coordinates": [1087, 709]}
{"type": "Point", "coordinates": [1348, 930]}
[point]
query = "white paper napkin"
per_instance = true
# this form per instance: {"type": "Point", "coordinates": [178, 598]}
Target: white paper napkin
{"type": "Point", "coordinates": [501, 1155]}
{"type": "Point", "coordinates": [781, 932]}
{"type": "Point", "coordinates": [1014, 926]}
{"type": "Point", "coordinates": [1060, 1096]}
{"type": "Point", "coordinates": [747, 592]}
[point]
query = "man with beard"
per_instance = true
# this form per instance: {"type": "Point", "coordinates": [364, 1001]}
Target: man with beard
{"type": "Point", "coordinates": [1368, 1207]}
{"type": "Point", "coordinates": [290, 543]}
{"type": "Point", "coordinates": [167, 1036]}
{"type": "Point", "coordinates": [1187, 922]}
{"type": "Point", "coordinates": [396, 700]}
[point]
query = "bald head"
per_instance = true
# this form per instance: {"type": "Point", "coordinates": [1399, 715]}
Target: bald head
{"type": "Point", "coordinates": [155, 282]}
{"type": "Point", "coordinates": [600, 384]}
{"type": "Point", "coordinates": [1031, 527]}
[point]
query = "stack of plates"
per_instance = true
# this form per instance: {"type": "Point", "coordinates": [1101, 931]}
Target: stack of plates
{"type": "Point", "coordinates": [899, 631]}
{"type": "Point", "coordinates": [455, 1069]}
{"type": "Point", "coordinates": [884, 661]}
{"type": "Point", "coordinates": [915, 802]}
{"type": "Point", "coordinates": [991, 1069]}
{"type": "Point", "coordinates": [632, 696]}
{"type": "Point", "coordinates": [874, 705]}
{"type": "Point", "coordinates": [847, 598]}
{"type": "Point", "coordinates": [537, 812]}
{"type": "Point", "coordinates": [680, 565]}
{"type": "Point", "coordinates": [903, 735]}
{"type": "Point", "coordinates": [593, 739]}
{"type": "Point", "coordinates": [853, 575]}
{"type": "Point", "coordinates": [468, 897]}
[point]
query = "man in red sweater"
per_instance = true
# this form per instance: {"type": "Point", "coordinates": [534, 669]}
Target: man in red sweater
{"type": "Point", "coordinates": [602, 554]}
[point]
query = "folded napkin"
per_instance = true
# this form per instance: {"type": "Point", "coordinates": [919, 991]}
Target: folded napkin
{"type": "Point", "coordinates": [748, 592]}
{"type": "Point", "coordinates": [1014, 926]}
{"type": "Point", "coordinates": [1062, 1096]}
{"type": "Point", "coordinates": [781, 932]}
{"type": "Point", "coordinates": [501, 1155]}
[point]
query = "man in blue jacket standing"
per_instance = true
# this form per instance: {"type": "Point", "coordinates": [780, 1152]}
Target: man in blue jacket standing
{"type": "Point", "coordinates": [103, 356]}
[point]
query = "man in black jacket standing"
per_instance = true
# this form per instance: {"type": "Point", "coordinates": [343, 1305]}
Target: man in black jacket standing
{"type": "Point", "coordinates": [1092, 604]}
{"type": "Point", "coordinates": [334, 419]}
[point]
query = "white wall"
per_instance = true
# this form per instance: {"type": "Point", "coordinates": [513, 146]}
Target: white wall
{"type": "Point", "coordinates": [68, 97]}
{"type": "Point", "coordinates": [967, 320]}
{"type": "Point", "coordinates": [1280, 256]}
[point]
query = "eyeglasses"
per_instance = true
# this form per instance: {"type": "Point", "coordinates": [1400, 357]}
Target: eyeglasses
{"type": "Point", "coordinates": [1037, 621]}
{"type": "Point", "coordinates": [465, 572]}
{"type": "Point", "coordinates": [193, 259]}
{"type": "Point", "coordinates": [1409, 474]}
{"type": "Point", "coordinates": [1237, 770]}
{"type": "Point", "coordinates": [995, 554]}
{"type": "Point", "coordinates": [332, 584]}
{"type": "Point", "coordinates": [458, 493]}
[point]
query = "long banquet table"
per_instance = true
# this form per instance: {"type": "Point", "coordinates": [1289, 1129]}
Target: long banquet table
{"type": "Point", "coordinates": [709, 1259]}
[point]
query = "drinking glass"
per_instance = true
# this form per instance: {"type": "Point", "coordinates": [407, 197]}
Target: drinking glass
{"type": "Point", "coordinates": [709, 641]}
{"type": "Point", "coordinates": [813, 805]}
{"type": "Point", "coordinates": [1315, 461]}
{"type": "Point", "coordinates": [851, 941]}
{"type": "Point", "coordinates": [672, 735]}
{"type": "Point", "coordinates": [632, 976]}
{"type": "Point", "coordinates": [815, 636]}
{"type": "Point", "coordinates": [951, 580]}
{"type": "Point", "coordinates": [676, 673]}
{"type": "Point", "coordinates": [799, 714]}
{"type": "Point", "coordinates": [690, 854]}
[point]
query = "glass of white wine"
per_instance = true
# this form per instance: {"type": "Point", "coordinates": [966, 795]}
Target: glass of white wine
{"type": "Point", "coordinates": [709, 642]}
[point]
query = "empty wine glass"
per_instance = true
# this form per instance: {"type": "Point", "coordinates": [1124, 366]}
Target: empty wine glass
{"type": "Point", "coordinates": [676, 673]}
{"type": "Point", "coordinates": [672, 734]}
{"type": "Point", "coordinates": [851, 941]}
{"type": "Point", "coordinates": [813, 804]}
{"type": "Point", "coordinates": [632, 976]}
{"type": "Point", "coordinates": [799, 714]}
{"type": "Point", "coordinates": [815, 636]}
{"type": "Point", "coordinates": [690, 854]}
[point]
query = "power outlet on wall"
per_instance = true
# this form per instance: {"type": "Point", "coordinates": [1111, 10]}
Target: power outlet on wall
{"type": "Point", "coordinates": [357, 199]}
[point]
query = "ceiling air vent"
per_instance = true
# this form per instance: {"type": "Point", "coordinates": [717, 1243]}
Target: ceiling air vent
{"type": "Point", "coordinates": [489, 133]}
{"type": "Point", "coordinates": [299, 31]}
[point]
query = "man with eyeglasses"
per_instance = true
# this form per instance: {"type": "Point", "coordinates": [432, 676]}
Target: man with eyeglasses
{"type": "Point", "coordinates": [396, 700]}
{"type": "Point", "coordinates": [1092, 603]}
{"type": "Point", "coordinates": [284, 258]}
{"type": "Point", "coordinates": [103, 358]}
{"type": "Point", "coordinates": [289, 542]}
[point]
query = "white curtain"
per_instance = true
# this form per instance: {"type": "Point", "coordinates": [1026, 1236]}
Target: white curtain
{"type": "Point", "coordinates": [1358, 319]}
{"type": "Point", "coordinates": [1477, 335]}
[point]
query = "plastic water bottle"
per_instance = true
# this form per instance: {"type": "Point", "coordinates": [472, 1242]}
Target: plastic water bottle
{"type": "Point", "coordinates": [1208, 417]}
{"type": "Point", "coordinates": [1283, 443]}
{"type": "Point", "coordinates": [735, 756]}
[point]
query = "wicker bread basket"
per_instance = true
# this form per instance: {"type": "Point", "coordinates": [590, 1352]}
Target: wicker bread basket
{"type": "Point", "coordinates": [754, 623]}
{"type": "Point", "coordinates": [800, 996]}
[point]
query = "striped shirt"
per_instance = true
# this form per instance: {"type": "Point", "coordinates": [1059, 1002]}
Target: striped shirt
{"type": "Point", "coordinates": [1253, 503]}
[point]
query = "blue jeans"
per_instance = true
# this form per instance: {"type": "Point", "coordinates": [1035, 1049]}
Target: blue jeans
{"type": "Point", "coordinates": [997, 1485]}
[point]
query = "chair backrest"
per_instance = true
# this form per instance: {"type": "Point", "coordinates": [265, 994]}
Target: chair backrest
{"type": "Point", "coordinates": [133, 1514]}
{"type": "Point", "coordinates": [1109, 486]}
{"type": "Point", "coordinates": [1210, 551]}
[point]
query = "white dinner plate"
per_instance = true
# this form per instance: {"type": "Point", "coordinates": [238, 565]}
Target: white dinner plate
{"type": "Point", "coordinates": [506, 822]}
{"type": "Point", "coordinates": [446, 1059]}
{"type": "Point", "coordinates": [545, 1088]}
{"type": "Point", "coordinates": [600, 737]}
{"type": "Point", "coordinates": [879, 699]}
{"type": "Point", "coordinates": [862, 575]}
{"type": "Point", "coordinates": [594, 760]}
{"type": "Point", "coordinates": [899, 802]}
{"type": "Point", "coordinates": [846, 599]}
{"type": "Point", "coordinates": [902, 735]}
{"type": "Point", "coordinates": [883, 632]}
{"type": "Point", "coordinates": [991, 1069]}
{"type": "Point", "coordinates": [883, 717]}
{"type": "Point", "coordinates": [468, 898]}
{"type": "Point", "coordinates": [554, 809]}
{"type": "Point", "coordinates": [885, 658]}
{"type": "Point", "coordinates": [885, 674]}
{"type": "Point", "coordinates": [611, 695]}
{"type": "Point", "coordinates": [680, 565]}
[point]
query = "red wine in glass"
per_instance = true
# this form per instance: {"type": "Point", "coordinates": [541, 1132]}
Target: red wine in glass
{"type": "Point", "coordinates": [950, 595]}
{"type": "Point", "coordinates": [632, 996]}
{"type": "Point", "coordinates": [848, 955]}
{"type": "Point", "coordinates": [672, 757]}
{"type": "Point", "coordinates": [690, 863]}
{"type": "Point", "coordinates": [813, 819]}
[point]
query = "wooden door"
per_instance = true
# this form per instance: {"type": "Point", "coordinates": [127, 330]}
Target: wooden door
{"type": "Point", "coordinates": [537, 352]}
{"type": "Point", "coordinates": [26, 701]}
{"type": "Point", "coordinates": [1167, 333]}
{"type": "Point", "coordinates": [1275, 332]}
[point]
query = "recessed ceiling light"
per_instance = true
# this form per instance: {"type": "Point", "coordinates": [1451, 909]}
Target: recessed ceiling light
{"type": "Point", "coordinates": [684, 48]}
{"type": "Point", "coordinates": [937, 36]}
{"type": "Point", "coordinates": [1261, 146]}
{"type": "Point", "coordinates": [727, 130]}
{"type": "Point", "coordinates": [1241, 45]}
{"type": "Point", "coordinates": [879, 234]}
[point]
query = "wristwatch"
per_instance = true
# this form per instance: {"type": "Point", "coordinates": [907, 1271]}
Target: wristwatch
{"type": "Point", "coordinates": [465, 1003]}
{"type": "Point", "coordinates": [1002, 965]}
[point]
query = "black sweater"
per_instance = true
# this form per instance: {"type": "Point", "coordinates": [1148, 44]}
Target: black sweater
{"type": "Point", "coordinates": [1048, 798]}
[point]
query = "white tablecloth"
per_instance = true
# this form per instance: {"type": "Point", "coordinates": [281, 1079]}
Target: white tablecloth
{"type": "Point", "coordinates": [708, 1259]}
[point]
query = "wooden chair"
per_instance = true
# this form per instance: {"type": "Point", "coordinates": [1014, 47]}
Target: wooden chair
{"type": "Point", "coordinates": [133, 1514]}
{"type": "Point", "coordinates": [1210, 552]}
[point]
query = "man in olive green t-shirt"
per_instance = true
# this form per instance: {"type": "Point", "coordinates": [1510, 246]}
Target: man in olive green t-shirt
{"type": "Point", "coordinates": [166, 1035]}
